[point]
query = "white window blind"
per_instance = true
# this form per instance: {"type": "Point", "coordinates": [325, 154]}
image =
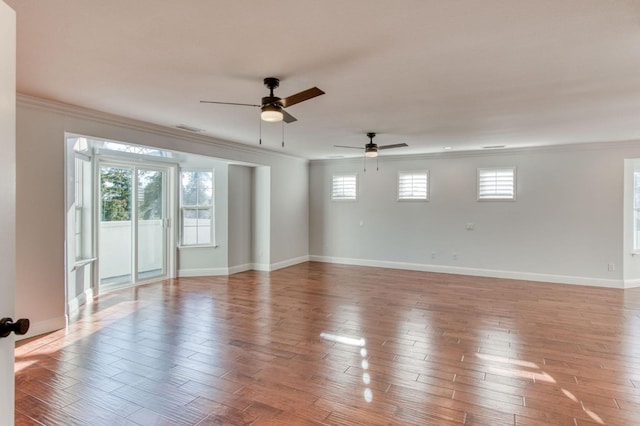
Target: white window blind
{"type": "Point", "coordinates": [497, 184]}
{"type": "Point", "coordinates": [413, 186]}
{"type": "Point", "coordinates": [344, 187]}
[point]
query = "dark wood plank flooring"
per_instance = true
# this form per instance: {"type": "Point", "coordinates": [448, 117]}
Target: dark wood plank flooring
{"type": "Point", "coordinates": [322, 344]}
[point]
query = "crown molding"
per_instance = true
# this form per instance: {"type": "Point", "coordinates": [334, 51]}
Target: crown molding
{"type": "Point", "coordinates": [75, 111]}
{"type": "Point", "coordinates": [572, 147]}
{"type": "Point", "coordinates": [23, 100]}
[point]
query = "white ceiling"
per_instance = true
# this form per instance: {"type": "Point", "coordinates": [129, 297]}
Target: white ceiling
{"type": "Point", "coordinates": [464, 74]}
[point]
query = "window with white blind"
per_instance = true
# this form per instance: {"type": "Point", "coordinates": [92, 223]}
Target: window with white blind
{"type": "Point", "coordinates": [413, 186]}
{"type": "Point", "coordinates": [344, 187]}
{"type": "Point", "coordinates": [497, 183]}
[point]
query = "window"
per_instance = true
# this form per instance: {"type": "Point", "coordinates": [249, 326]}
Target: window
{"type": "Point", "coordinates": [82, 218]}
{"type": "Point", "coordinates": [133, 149]}
{"type": "Point", "coordinates": [196, 207]}
{"type": "Point", "coordinates": [344, 187]}
{"type": "Point", "coordinates": [413, 186]}
{"type": "Point", "coordinates": [79, 205]}
{"type": "Point", "coordinates": [497, 184]}
{"type": "Point", "coordinates": [636, 211]}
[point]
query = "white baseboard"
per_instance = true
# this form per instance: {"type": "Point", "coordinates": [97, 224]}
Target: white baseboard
{"type": "Point", "coordinates": [289, 262]}
{"type": "Point", "coordinates": [81, 299]}
{"type": "Point", "coordinates": [47, 326]}
{"type": "Point", "coordinates": [631, 283]}
{"type": "Point", "coordinates": [264, 267]}
{"type": "Point", "coordinates": [491, 273]}
{"type": "Point", "coordinates": [236, 269]}
{"type": "Point", "coordinates": [203, 272]}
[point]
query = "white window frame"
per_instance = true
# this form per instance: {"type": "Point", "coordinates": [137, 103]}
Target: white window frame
{"type": "Point", "coordinates": [198, 207]}
{"type": "Point", "coordinates": [343, 176]}
{"type": "Point", "coordinates": [495, 195]}
{"type": "Point", "coordinates": [82, 208]}
{"type": "Point", "coordinates": [79, 207]}
{"type": "Point", "coordinates": [636, 212]}
{"type": "Point", "coordinates": [413, 175]}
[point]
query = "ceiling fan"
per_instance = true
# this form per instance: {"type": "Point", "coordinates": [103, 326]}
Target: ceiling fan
{"type": "Point", "coordinates": [273, 107]}
{"type": "Point", "coordinates": [371, 149]}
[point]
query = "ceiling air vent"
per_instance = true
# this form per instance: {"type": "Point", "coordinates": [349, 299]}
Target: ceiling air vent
{"type": "Point", "coordinates": [189, 128]}
{"type": "Point", "coordinates": [494, 147]}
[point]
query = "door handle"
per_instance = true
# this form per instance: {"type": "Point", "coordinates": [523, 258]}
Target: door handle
{"type": "Point", "coordinates": [19, 327]}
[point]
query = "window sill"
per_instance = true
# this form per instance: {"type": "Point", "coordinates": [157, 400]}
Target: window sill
{"type": "Point", "coordinates": [181, 247]}
{"type": "Point", "coordinates": [83, 262]}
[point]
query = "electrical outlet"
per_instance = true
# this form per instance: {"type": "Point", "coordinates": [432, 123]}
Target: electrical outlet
{"type": "Point", "coordinates": [433, 254]}
{"type": "Point", "coordinates": [611, 267]}
{"type": "Point", "coordinates": [470, 226]}
{"type": "Point", "coordinates": [454, 256]}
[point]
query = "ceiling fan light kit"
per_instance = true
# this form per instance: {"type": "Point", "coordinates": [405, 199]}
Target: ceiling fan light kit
{"type": "Point", "coordinates": [371, 150]}
{"type": "Point", "coordinates": [271, 113]}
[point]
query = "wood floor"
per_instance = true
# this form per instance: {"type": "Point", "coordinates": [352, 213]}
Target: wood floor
{"type": "Point", "coordinates": [324, 344]}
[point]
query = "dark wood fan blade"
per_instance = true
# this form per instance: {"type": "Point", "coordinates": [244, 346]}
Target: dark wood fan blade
{"type": "Point", "coordinates": [286, 117]}
{"type": "Point", "coordinates": [397, 145]}
{"type": "Point", "coordinates": [300, 97]}
{"type": "Point", "coordinates": [229, 103]}
{"type": "Point", "coordinates": [345, 146]}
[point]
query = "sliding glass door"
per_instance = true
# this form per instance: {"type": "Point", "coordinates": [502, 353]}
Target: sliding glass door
{"type": "Point", "coordinates": [133, 224]}
{"type": "Point", "coordinates": [150, 224]}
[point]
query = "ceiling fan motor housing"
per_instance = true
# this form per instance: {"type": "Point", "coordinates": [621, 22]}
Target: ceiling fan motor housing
{"type": "Point", "coordinates": [271, 100]}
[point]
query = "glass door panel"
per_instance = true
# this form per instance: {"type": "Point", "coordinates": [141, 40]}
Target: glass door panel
{"type": "Point", "coordinates": [115, 225]}
{"type": "Point", "coordinates": [150, 226]}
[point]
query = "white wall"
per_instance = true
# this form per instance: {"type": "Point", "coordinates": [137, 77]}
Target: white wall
{"type": "Point", "coordinates": [287, 223]}
{"type": "Point", "coordinates": [41, 127]}
{"type": "Point", "coordinates": [565, 226]}
{"type": "Point", "coordinates": [240, 225]}
{"type": "Point", "coordinates": [261, 217]}
{"type": "Point", "coordinates": [40, 293]}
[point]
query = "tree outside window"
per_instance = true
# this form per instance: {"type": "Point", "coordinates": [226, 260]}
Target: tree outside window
{"type": "Point", "coordinates": [115, 187]}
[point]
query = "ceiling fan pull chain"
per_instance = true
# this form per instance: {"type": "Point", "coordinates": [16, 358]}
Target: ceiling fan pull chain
{"type": "Point", "coordinates": [282, 133]}
{"type": "Point", "coordinates": [377, 162]}
{"type": "Point", "coordinates": [260, 131]}
{"type": "Point", "coordinates": [365, 164]}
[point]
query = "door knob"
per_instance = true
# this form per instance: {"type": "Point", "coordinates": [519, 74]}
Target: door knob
{"type": "Point", "coordinates": [19, 327]}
